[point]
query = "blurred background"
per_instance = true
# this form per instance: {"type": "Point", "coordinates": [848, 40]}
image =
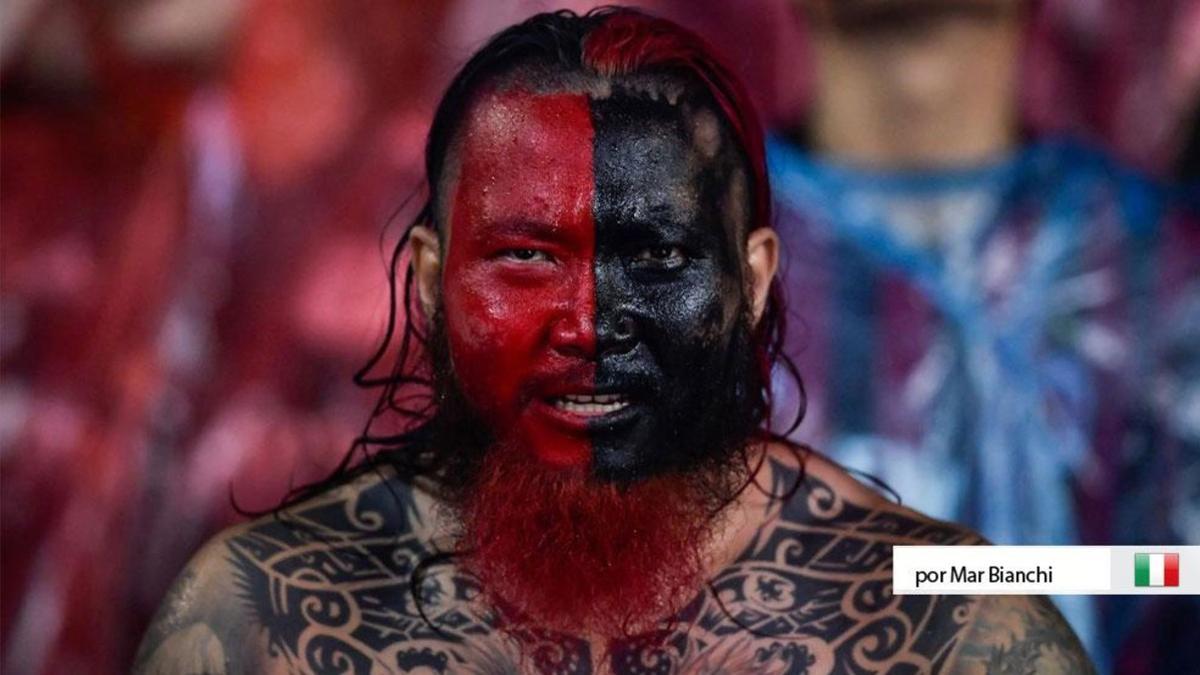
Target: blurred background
{"type": "Point", "coordinates": [196, 198]}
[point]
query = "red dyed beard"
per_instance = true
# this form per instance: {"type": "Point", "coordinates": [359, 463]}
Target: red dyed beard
{"type": "Point", "coordinates": [559, 551]}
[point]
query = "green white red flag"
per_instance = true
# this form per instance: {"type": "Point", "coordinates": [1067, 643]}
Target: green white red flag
{"type": "Point", "coordinates": [1156, 569]}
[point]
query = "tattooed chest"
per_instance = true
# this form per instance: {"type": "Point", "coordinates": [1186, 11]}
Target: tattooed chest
{"type": "Point", "coordinates": [799, 608]}
{"type": "Point", "coordinates": [755, 621]}
{"type": "Point", "coordinates": [812, 594]}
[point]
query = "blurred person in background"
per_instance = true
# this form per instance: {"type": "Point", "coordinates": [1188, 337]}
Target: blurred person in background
{"type": "Point", "coordinates": [1003, 311]}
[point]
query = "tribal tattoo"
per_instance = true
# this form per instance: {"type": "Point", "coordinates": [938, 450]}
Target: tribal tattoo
{"type": "Point", "coordinates": [330, 587]}
{"type": "Point", "coordinates": [333, 586]}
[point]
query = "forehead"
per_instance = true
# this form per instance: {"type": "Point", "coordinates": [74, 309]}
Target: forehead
{"type": "Point", "coordinates": [646, 161]}
{"type": "Point", "coordinates": [524, 156]}
{"type": "Point", "coordinates": [524, 152]}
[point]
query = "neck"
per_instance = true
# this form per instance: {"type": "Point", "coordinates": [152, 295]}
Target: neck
{"type": "Point", "coordinates": [928, 92]}
{"type": "Point", "coordinates": [743, 518]}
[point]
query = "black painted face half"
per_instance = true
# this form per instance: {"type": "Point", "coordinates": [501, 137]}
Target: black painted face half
{"type": "Point", "coordinates": [673, 340]}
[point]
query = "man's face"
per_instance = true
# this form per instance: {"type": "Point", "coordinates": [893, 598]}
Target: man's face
{"type": "Point", "coordinates": [592, 325]}
{"type": "Point", "coordinates": [592, 287]}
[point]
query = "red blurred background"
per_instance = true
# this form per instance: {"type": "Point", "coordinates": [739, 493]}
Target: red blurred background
{"type": "Point", "coordinates": [195, 201]}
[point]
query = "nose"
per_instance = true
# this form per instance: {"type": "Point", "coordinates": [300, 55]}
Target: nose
{"type": "Point", "coordinates": [573, 332]}
{"type": "Point", "coordinates": [616, 333]}
{"type": "Point", "coordinates": [570, 338]}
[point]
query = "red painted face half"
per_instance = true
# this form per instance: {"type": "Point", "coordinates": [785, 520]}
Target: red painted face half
{"type": "Point", "coordinates": [518, 282]}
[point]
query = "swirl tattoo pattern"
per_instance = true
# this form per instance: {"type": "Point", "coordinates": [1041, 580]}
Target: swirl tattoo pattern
{"type": "Point", "coordinates": [331, 583]}
{"type": "Point", "coordinates": [812, 594]}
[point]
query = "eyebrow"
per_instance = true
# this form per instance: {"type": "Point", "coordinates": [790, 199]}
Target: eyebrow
{"type": "Point", "coordinates": [663, 218]}
{"type": "Point", "coordinates": [534, 229]}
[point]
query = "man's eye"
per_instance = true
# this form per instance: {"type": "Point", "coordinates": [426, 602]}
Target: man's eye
{"type": "Point", "coordinates": [525, 255]}
{"type": "Point", "coordinates": [665, 257]}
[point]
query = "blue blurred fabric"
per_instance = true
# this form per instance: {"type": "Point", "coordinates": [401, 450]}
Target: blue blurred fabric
{"type": "Point", "coordinates": [998, 344]}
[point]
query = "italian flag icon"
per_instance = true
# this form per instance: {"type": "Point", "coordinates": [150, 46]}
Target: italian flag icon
{"type": "Point", "coordinates": [1156, 569]}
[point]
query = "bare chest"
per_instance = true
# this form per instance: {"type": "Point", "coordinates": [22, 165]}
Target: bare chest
{"type": "Point", "coordinates": [803, 598]}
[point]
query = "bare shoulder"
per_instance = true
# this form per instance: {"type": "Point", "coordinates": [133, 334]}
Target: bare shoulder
{"type": "Point", "coordinates": [197, 628]}
{"type": "Point", "coordinates": [812, 590]}
{"type": "Point", "coordinates": [1020, 634]}
{"type": "Point", "coordinates": [242, 603]}
{"type": "Point", "coordinates": [986, 634]}
{"type": "Point", "coordinates": [828, 494]}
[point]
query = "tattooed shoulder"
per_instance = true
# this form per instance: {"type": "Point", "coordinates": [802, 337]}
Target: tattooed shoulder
{"type": "Point", "coordinates": [323, 586]}
{"type": "Point", "coordinates": [1021, 634]}
{"type": "Point", "coordinates": [812, 592]}
{"type": "Point", "coordinates": [197, 630]}
{"type": "Point", "coordinates": [996, 635]}
{"type": "Point", "coordinates": [351, 582]}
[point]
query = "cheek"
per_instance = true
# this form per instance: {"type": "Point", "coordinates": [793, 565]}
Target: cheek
{"type": "Point", "coordinates": [500, 315]}
{"type": "Point", "coordinates": [494, 337]}
{"type": "Point", "coordinates": [695, 316]}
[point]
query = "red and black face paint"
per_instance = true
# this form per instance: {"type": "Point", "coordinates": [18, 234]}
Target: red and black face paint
{"type": "Point", "coordinates": [595, 322]}
{"type": "Point", "coordinates": [593, 289]}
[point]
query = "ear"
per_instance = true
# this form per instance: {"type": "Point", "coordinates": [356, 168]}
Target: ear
{"type": "Point", "coordinates": [762, 258]}
{"type": "Point", "coordinates": [426, 266]}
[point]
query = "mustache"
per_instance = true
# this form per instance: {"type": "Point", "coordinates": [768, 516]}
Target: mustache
{"type": "Point", "coordinates": [638, 377]}
{"type": "Point", "coordinates": [564, 377]}
{"type": "Point", "coordinates": [636, 384]}
{"type": "Point", "coordinates": [636, 372]}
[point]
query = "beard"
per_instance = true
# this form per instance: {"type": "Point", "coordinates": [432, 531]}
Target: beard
{"type": "Point", "coordinates": [573, 550]}
{"type": "Point", "coordinates": [559, 551]}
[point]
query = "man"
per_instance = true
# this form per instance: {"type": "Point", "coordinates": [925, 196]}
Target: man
{"type": "Point", "coordinates": [589, 488]}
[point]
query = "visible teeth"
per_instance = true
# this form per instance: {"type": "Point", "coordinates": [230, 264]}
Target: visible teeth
{"type": "Point", "coordinates": [599, 404]}
{"type": "Point", "coordinates": [594, 398]}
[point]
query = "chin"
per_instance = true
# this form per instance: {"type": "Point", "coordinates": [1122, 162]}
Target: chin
{"type": "Point", "coordinates": [569, 552]}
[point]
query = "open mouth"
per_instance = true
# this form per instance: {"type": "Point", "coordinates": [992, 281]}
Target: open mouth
{"type": "Point", "coordinates": [591, 405]}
